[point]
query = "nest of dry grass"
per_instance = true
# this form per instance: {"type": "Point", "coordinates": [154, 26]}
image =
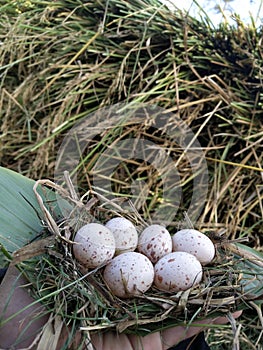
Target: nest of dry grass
{"type": "Point", "coordinates": [82, 299]}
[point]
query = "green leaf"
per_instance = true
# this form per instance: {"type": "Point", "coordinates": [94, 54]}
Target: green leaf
{"type": "Point", "coordinates": [20, 214]}
{"type": "Point", "coordinates": [250, 264]}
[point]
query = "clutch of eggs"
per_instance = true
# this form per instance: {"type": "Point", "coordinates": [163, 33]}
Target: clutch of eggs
{"type": "Point", "coordinates": [136, 262]}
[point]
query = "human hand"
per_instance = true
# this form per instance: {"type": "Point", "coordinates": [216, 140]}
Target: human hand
{"type": "Point", "coordinates": [155, 341]}
{"type": "Point", "coordinates": [25, 327]}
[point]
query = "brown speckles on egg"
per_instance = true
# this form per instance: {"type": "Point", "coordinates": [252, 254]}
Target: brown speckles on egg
{"type": "Point", "coordinates": [159, 278]}
{"type": "Point", "coordinates": [177, 271]}
{"type": "Point", "coordinates": [154, 242]}
{"type": "Point", "coordinates": [125, 234]}
{"type": "Point", "coordinates": [196, 243]}
{"type": "Point", "coordinates": [129, 274]}
{"type": "Point", "coordinates": [153, 256]}
{"type": "Point", "coordinates": [94, 246]}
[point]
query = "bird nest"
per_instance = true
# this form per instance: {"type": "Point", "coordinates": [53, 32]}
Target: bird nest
{"type": "Point", "coordinates": [230, 282]}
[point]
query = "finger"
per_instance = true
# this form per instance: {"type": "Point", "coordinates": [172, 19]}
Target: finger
{"type": "Point", "coordinates": [115, 341]}
{"type": "Point", "coordinates": [152, 341]}
{"type": "Point", "coordinates": [26, 324]}
{"type": "Point", "coordinates": [110, 341]}
{"type": "Point", "coordinates": [172, 336]}
{"type": "Point", "coordinates": [225, 320]}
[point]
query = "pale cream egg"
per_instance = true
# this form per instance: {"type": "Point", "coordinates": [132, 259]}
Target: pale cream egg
{"type": "Point", "coordinates": [195, 243]}
{"type": "Point", "coordinates": [177, 271]}
{"type": "Point", "coordinates": [94, 245]}
{"type": "Point", "coordinates": [125, 234]}
{"type": "Point", "coordinates": [155, 241]}
{"type": "Point", "coordinates": [129, 274]}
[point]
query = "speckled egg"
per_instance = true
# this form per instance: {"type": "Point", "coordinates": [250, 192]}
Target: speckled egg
{"type": "Point", "coordinates": [95, 245]}
{"type": "Point", "coordinates": [196, 243]}
{"type": "Point", "coordinates": [155, 242]}
{"type": "Point", "coordinates": [177, 271]}
{"type": "Point", "coordinates": [125, 234]}
{"type": "Point", "coordinates": [129, 274]}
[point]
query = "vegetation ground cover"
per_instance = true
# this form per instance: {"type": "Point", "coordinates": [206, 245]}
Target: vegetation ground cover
{"type": "Point", "coordinates": [62, 60]}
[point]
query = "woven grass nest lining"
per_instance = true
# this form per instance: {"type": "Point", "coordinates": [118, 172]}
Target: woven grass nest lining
{"type": "Point", "coordinates": [58, 281]}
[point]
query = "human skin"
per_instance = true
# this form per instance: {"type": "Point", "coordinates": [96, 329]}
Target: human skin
{"type": "Point", "coordinates": [12, 299]}
{"type": "Point", "coordinates": [155, 341]}
{"type": "Point", "coordinates": [25, 327]}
